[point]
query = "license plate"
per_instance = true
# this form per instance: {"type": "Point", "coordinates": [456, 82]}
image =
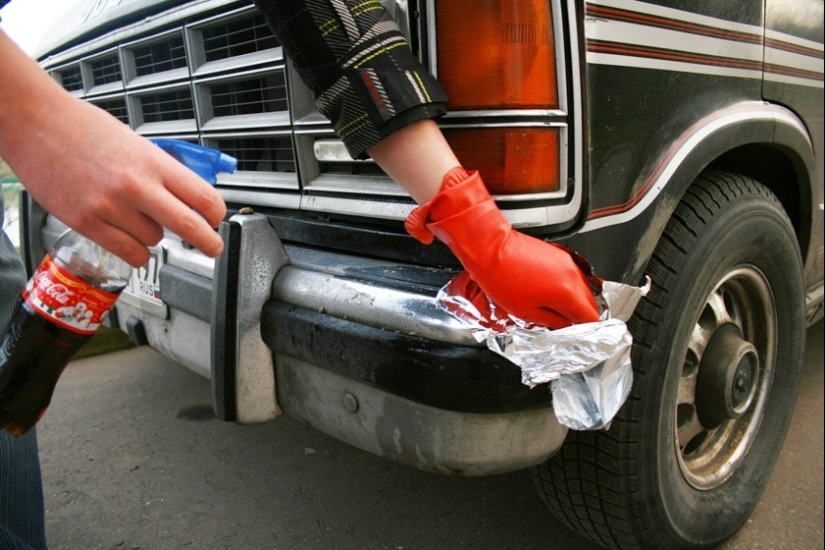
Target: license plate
{"type": "Point", "coordinates": [143, 290]}
{"type": "Point", "coordinates": [145, 282]}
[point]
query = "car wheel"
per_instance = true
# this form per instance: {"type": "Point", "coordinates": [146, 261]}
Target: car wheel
{"type": "Point", "coordinates": [718, 348]}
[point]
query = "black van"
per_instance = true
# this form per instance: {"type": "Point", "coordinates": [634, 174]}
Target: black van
{"type": "Point", "coordinates": [676, 140]}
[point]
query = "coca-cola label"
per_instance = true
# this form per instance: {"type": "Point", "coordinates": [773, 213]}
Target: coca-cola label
{"type": "Point", "coordinates": [67, 300]}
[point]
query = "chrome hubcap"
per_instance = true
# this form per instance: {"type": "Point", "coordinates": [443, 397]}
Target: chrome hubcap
{"type": "Point", "coordinates": [725, 379]}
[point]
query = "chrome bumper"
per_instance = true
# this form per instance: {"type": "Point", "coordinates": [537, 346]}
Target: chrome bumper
{"type": "Point", "coordinates": [378, 366]}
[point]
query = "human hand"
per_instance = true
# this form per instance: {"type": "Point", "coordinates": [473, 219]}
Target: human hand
{"type": "Point", "coordinates": [533, 280]}
{"type": "Point", "coordinates": [95, 174]}
{"type": "Point", "coordinates": [115, 187]}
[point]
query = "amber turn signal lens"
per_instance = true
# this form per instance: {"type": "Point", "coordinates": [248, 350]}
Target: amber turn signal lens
{"type": "Point", "coordinates": [511, 160]}
{"type": "Point", "coordinates": [496, 54]}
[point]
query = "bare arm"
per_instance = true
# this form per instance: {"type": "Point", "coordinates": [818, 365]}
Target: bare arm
{"type": "Point", "coordinates": [417, 157]}
{"type": "Point", "coordinates": [95, 174]}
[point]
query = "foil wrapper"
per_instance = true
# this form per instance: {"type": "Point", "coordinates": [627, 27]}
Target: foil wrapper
{"type": "Point", "coordinates": [587, 365]}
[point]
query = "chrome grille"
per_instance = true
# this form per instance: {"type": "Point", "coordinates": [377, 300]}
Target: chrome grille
{"type": "Point", "coordinates": [167, 106]}
{"type": "Point", "coordinates": [160, 57]}
{"type": "Point", "coordinates": [70, 78]}
{"type": "Point", "coordinates": [236, 38]}
{"type": "Point", "coordinates": [260, 154]}
{"type": "Point", "coordinates": [351, 169]}
{"type": "Point", "coordinates": [106, 70]}
{"type": "Point", "coordinates": [247, 97]}
{"type": "Point", "coordinates": [115, 107]}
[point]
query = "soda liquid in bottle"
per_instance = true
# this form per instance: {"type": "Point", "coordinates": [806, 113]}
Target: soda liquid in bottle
{"type": "Point", "coordinates": [59, 311]}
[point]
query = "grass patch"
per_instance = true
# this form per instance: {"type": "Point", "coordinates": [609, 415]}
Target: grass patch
{"type": "Point", "coordinates": [105, 340]}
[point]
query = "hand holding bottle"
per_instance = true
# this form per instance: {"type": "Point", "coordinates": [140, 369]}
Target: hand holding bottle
{"type": "Point", "coordinates": [66, 301]}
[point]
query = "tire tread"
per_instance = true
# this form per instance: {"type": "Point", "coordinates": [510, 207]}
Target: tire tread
{"type": "Point", "coordinates": [591, 485]}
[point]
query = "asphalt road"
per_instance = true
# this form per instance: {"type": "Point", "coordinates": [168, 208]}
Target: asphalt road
{"type": "Point", "coordinates": [133, 459]}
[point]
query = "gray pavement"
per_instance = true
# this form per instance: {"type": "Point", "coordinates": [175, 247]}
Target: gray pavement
{"type": "Point", "coordinates": [133, 459]}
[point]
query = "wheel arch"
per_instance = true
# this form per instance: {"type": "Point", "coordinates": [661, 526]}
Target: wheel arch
{"type": "Point", "coordinates": [781, 168]}
{"type": "Point", "coordinates": [766, 142]}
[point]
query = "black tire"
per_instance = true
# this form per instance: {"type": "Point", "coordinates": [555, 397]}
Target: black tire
{"type": "Point", "coordinates": [718, 348]}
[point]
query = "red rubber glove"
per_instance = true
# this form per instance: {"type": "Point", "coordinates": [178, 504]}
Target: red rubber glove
{"type": "Point", "coordinates": [534, 280]}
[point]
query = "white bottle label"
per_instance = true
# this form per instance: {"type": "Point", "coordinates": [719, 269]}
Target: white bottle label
{"type": "Point", "coordinates": [67, 300]}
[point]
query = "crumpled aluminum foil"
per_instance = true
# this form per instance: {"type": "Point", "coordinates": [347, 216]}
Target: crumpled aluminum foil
{"type": "Point", "coordinates": [588, 365]}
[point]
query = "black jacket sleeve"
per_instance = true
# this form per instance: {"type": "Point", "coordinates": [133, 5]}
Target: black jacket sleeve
{"type": "Point", "coordinates": [358, 64]}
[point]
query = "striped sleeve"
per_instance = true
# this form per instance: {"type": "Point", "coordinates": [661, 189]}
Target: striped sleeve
{"type": "Point", "coordinates": [352, 55]}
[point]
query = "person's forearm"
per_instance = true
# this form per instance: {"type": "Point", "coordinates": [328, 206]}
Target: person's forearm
{"type": "Point", "coordinates": [24, 90]}
{"type": "Point", "coordinates": [417, 157]}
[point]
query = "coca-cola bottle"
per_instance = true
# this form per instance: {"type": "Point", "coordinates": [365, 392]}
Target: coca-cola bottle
{"type": "Point", "coordinates": [66, 301]}
{"type": "Point", "coordinates": [61, 308]}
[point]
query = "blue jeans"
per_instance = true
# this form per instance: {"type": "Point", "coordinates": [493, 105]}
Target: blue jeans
{"type": "Point", "coordinates": [22, 523]}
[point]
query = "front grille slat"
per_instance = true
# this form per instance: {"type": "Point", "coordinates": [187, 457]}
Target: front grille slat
{"type": "Point", "coordinates": [71, 78]}
{"type": "Point", "coordinates": [236, 38]}
{"type": "Point", "coordinates": [260, 154]}
{"type": "Point", "coordinates": [106, 71]}
{"type": "Point", "coordinates": [116, 108]}
{"type": "Point", "coordinates": [351, 169]}
{"type": "Point", "coordinates": [167, 106]}
{"type": "Point", "coordinates": [247, 97]}
{"type": "Point", "coordinates": [160, 57]}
